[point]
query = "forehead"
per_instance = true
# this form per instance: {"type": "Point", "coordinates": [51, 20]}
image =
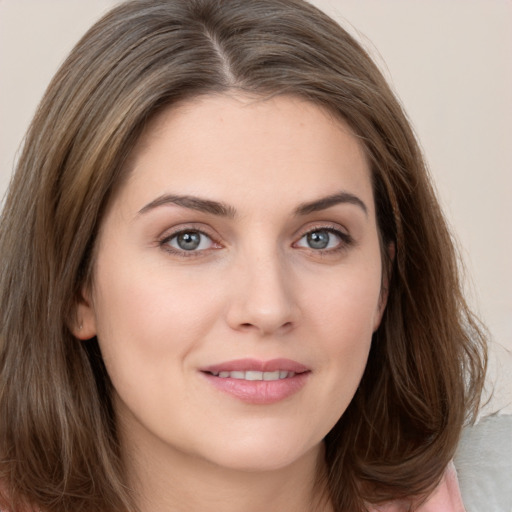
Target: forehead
{"type": "Point", "coordinates": [233, 145]}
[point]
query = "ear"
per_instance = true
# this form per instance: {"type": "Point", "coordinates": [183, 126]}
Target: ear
{"type": "Point", "coordinates": [387, 269]}
{"type": "Point", "coordinates": [84, 323]}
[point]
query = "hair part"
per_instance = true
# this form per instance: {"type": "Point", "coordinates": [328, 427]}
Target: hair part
{"type": "Point", "coordinates": [58, 442]}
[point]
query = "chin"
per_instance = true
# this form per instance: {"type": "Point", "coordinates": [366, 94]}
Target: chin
{"type": "Point", "coordinates": [258, 454]}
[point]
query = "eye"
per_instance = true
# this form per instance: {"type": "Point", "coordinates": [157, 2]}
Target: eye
{"type": "Point", "coordinates": [190, 240]}
{"type": "Point", "coordinates": [324, 239]}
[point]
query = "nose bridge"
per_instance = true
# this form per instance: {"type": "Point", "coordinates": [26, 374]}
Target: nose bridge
{"type": "Point", "coordinates": [263, 297]}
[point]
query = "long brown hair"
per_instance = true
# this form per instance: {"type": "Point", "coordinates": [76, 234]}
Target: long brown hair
{"type": "Point", "coordinates": [58, 442]}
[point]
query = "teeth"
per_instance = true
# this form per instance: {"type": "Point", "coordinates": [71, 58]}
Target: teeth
{"type": "Point", "coordinates": [255, 375]}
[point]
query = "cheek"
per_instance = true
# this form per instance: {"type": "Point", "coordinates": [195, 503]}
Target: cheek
{"type": "Point", "coordinates": [342, 324]}
{"type": "Point", "coordinates": [145, 320]}
{"type": "Point", "coordinates": [348, 306]}
{"type": "Point", "coordinates": [147, 326]}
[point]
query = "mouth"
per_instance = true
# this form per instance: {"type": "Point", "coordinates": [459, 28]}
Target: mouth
{"type": "Point", "coordinates": [255, 375]}
{"type": "Point", "coordinates": [258, 382]}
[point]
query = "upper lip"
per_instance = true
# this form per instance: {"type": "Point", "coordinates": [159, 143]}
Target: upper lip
{"type": "Point", "coordinates": [271, 365]}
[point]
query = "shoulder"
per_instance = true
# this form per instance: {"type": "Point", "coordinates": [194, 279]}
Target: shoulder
{"type": "Point", "coordinates": [445, 498]}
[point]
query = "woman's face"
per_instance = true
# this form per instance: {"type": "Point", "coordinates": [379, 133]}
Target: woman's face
{"type": "Point", "coordinates": [237, 281]}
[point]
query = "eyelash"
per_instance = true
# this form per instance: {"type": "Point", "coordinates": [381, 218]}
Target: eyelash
{"type": "Point", "coordinates": [164, 243]}
{"type": "Point", "coordinates": [346, 241]}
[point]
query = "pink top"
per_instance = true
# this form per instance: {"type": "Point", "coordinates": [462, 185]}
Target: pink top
{"type": "Point", "coordinates": [446, 497]}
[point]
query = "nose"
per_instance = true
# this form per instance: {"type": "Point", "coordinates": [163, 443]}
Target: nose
{"type": "Point", "coordinates": [263, 300]}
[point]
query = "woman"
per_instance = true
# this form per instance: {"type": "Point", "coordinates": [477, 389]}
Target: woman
{"type": "Point", "coordinates": [226, 280]}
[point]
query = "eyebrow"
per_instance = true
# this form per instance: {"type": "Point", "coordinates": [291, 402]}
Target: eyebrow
{"type": "Point", "coordinates": [224, 210]}
{"type": "Point", "coordinates": [329, 201]}
{"type": "Point", "coordinates": [193, 203]}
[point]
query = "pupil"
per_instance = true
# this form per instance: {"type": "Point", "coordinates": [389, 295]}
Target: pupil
{"type": "Point", "coordinates": [318, 239]}
{"type": "Point", "coordinates": [189, 241]}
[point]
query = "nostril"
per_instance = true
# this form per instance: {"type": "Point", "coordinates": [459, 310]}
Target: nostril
{"type": "Point", "coordinates": [248, 325]}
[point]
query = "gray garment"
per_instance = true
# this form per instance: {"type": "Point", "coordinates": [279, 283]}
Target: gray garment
{"type": "Point", "coordinates": [484, 465]}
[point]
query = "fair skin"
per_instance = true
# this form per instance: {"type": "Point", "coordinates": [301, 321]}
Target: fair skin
{"type": "Point", "coordinates": [246, 231]}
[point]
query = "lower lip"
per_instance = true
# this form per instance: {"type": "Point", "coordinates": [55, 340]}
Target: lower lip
{"type": "Point", "coordinates": [260, 392]}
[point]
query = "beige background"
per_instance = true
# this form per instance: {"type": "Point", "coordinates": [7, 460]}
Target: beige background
{"type": "Point", "coordinates": [449, 61]}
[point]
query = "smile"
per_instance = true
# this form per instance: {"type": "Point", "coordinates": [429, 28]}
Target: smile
{"type": "Point", "coordinates": [255, 375]}
{"type": "Point", "coordinates": [258, 382]}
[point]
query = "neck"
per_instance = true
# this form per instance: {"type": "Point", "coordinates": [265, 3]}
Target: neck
{"type": "Point", "coordinates": [167, 480]}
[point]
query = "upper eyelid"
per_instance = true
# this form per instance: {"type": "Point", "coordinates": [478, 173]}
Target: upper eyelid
{"type": "Point", "coordinates": [210, 232]}
{"type": "Point", "coordinates": [326, 225]}
{"type": "Point", "coordinates": [170, 236]}
{"type": "Point", "coordinates": [172, 232]}
{"type": "Point", "coordinates": [336, 231]}
{"type": "Point", "coordinates": [324, 228]}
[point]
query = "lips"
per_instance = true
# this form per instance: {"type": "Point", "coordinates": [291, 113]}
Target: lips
{"type": "Point", "coordinates": [258, 382]}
